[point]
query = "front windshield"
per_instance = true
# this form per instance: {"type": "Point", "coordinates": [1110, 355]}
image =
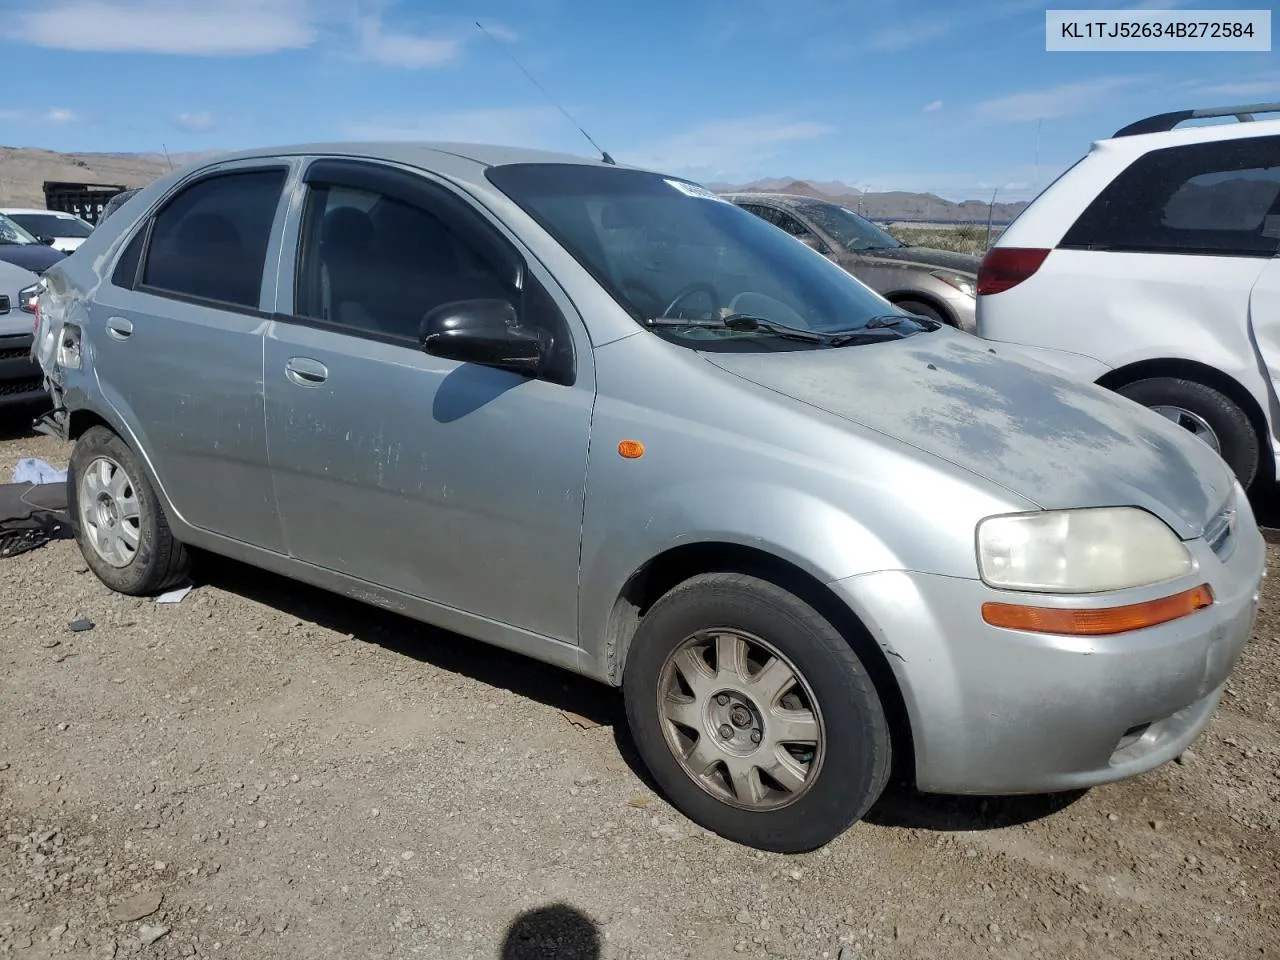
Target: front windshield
{"type": "Point", "coordinates": [48, 225]}
{"type": "Point", "coordinates": [665, 248]}
{"type": "Point", "coordinates": [11, 233]}
{"type": "Point", "coordinates": [850, 230]}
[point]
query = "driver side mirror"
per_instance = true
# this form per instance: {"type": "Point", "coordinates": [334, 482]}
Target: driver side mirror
{"type": "Point", "coordinates": [813, 243]}
{"type": "Point", "coordinates": [485, 332]}
{"type": "Point", "coordinates": [47, 241]}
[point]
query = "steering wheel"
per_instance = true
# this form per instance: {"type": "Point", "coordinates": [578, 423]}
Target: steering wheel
{"type": "Point", "coordinates": [697, 286]}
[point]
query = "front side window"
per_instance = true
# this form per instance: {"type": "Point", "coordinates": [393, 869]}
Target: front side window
{"type": "Point", "coordinates": [665, 248]}
{"type": "Point", "coordinates": [48, 225]}
{"type": "Point", "coordinates": [376, 264]}
{"type": "Point", "coordinates": [210, 241]}
{"type": "Point", "coordinates": [1220, 198]}
{"type": "Point", "coordinates": [14, 234]}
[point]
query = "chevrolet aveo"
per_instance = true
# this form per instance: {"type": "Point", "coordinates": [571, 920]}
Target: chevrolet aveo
{"type": "Point", "coordinates": [599, 416]}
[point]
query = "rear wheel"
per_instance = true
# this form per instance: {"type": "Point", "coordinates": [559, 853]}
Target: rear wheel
{"type": "Point", "coordinates": [1206, 413]}
{"type": "Point", "coordinates": [754, 715]}
{"type": "Point", "coordinates": [117, 519]}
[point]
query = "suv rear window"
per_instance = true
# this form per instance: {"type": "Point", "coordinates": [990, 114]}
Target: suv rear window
{"type": "Point", "coordinates": [1213, 199]}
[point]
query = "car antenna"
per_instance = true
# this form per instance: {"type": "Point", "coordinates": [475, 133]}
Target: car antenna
{"type": "Point", "coordinates": [603, 153]}
{"type": "Point", "coordinates": [167, 158]}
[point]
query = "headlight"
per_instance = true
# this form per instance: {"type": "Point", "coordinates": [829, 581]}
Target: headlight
{"type": "Point", "coordinates": [27, 298]}
{"type": "Point", "coordinates": [966, 285]}
{"type": "Point", "coordinates": [1079, 551]}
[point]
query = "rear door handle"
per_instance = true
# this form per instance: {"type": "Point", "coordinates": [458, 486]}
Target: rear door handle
{"type": "Point", "coordinates": [306, 372]}
{"type": "Point", "coordinates": [118, 328]}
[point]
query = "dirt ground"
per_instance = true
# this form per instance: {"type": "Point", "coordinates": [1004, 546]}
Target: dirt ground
{"type": "Point", "coordinates": [267, 771]}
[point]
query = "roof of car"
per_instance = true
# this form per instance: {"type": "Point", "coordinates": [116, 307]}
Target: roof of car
{"type": "Point", "coordinates": [51, 213]}
{"type": "Point", "coordinates": [1203, 133]}
{"type": "Point", "coordinates": [792, 198]}
{"type": "Point", "coordinates": [414, 153]}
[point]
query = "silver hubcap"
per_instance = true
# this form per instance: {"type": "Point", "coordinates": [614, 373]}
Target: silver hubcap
{"type": "Point", "coordinates": [740, 719]}
{"type": "Point", "coordinates": [1192, 422]}
{"type": "Point", "coordinates": [109, 513]}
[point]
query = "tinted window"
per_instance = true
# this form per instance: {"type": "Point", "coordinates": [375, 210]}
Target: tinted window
{"type": "Point", "coordinates": [853, 231]}
{"type": "Point", "coordinates": [666, 248]}
{"type": "Point", "coordinates": [377, 264]}
{"type": "Point", "coordinates": [211, 240]}
{"type": "Point", "coordinates": [126, 271]}
{"type": "Point", "coordinates": [1206, 198]}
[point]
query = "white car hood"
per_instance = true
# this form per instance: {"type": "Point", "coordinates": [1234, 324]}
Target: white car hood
{"type": "Point", "coordinates": [1054, 441]}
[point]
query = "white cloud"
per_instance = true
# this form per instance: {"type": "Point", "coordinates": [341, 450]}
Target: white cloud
{"type": "Point", "coordinates": [1261, 86]}
{"type": "Point", "coordinates": [518, 126]}
{"type": "Point", "coordinates": [10, 114]}
{"type": "Point", "coordinates": [198, 122]}
{"type": "Point", "coordinates": [396, 49]}
{"type": "Point", "coordinates": [1063, 100]}
{"type": "Point", "coordinates": [919, 31]}
{"type": "Point", "coordinates": [209, 28]}
{"type": "Point", "coordinates": [61, 115]}
{"type": "Point", "coordinates": [933, 106]}
{"type": "Point", "coordinates": [724, 148]}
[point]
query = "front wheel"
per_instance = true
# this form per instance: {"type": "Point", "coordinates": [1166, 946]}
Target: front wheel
{"type": "Point", "coordinates": [1206, 413]}
{"type": "Point", "coordinates": [754, 714]}
{"type": "Point", "coordinates": [117, 518]}
{"type": "Point", "coordinates": [924, 310]}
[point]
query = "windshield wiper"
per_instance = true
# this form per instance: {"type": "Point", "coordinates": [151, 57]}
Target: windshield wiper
{"type": "Point", "coordinates": [744, 321]}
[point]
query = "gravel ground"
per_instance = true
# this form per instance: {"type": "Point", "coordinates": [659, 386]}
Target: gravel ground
{"type": "Point", "coordinates": [267, 771]}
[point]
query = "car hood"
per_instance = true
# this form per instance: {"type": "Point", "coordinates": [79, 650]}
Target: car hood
{"type": "Point", "coordinates": [32, 256]}
{"type": "Point", "coordinates": [927, 257]}
{"type": "Point", "coordinates": [1056, 442]}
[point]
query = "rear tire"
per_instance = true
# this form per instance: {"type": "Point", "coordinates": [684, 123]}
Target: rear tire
{"type": "Point", "coordinates": [781, 746]}
{"type": "Point", "coordinates": [117, 519]}
{"type": "Point", "coordinates": [1200, 408]}
{"type": "Point", "coordinates": [924, 310]}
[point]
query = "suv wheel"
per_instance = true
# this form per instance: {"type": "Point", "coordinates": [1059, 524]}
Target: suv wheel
{"type": "Point", "coordinates": [924, 310]}
{"type": "Point", "coordinates": [117, 520]}
{"type": "Point", "coordinates": [1208, 414]}
{"type": "Point", "coordinates": [754, 715]}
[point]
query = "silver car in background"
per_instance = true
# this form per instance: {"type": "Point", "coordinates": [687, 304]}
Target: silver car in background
{"type": "Point", "coordinates": [602, 417]}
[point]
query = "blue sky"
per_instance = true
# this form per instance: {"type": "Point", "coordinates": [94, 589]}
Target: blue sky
{"type": "Point", "coordinates": [916, 95]}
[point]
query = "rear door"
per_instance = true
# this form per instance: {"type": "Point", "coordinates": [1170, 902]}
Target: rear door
{"type": "Point", "coordinates": [177, 334]}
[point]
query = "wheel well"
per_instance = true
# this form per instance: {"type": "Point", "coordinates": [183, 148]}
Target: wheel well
{"type": "Point", "coordinates": [907, 296]}
{"type": "Point", "coordinates": [81, 420]}
{"type": "Point", "coordinates": [1210, 377]}
{"type": "Point", "coordinates": [679, 564]}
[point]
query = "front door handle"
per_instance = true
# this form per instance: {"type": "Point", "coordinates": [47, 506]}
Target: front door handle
{"type": "Point", "coordinates": [118, 328]}
{"type": "Point", "coordinates": [306, 372]}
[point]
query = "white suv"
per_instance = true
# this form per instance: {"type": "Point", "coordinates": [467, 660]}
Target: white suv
{"type": "Point", "coordinates": [1150, 267]}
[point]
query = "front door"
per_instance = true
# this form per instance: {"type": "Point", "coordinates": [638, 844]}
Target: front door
{"type": "Point", "coordinates": [177, 335]}
{"type": "Point", "coordinates": [452, 482]}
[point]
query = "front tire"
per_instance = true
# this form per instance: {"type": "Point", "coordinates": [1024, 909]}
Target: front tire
{"type": "Point", "coordinates": [924, 310]}
{"type": "Point", "coordinates": [754, 714]}
{"type": "Point", "coordinates": [1206, 413]}
{"type": "Point", "coordinates": [117, 519]}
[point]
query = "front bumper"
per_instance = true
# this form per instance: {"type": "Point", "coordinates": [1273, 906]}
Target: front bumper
{"type": "Point", "coordinates": [21, 380]}
{"type": "Point", "coordinates": [997, 711]}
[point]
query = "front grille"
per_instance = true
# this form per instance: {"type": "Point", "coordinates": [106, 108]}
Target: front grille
{"type": "Point", "coordinates": [15, 354]}
{"type": "Point", "coordinates": [4, 304]}
{"type": "Point", "coordinates": [15, 388]}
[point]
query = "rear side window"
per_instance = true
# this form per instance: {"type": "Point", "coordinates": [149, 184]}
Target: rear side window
{"type": "Point", "coordinates": [1218, 199]}
{"type": "Point", "coordinates": [210, 241]}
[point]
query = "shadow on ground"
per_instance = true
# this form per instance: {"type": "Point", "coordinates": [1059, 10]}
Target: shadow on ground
{"type": "Point", "coordinates": [556, 932]}
{"type": "Point", "coordinates": [900, 807]}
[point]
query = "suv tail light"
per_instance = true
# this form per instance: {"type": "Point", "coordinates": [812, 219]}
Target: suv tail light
{"type": "Point", "coordinates": [1003, 268]}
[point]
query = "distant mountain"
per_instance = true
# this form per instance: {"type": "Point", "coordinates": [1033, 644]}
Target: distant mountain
{"type": "Point", "coordinates": [23, 170]}
{"type": "Point", "coordinates": [893, 205]}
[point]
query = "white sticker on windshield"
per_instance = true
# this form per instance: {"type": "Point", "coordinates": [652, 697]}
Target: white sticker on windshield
{"type": "Point", "coordinates": [693, 190]}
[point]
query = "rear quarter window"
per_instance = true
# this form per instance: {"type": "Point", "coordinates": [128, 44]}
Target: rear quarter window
{"type": "Point", "coordinates": [1214, 199]}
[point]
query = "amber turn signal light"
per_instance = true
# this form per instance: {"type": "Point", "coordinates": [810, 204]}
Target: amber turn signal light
{"type": "Point", "coordinates": [631, 449]}
{"type": "Point", "coordinates": [1100, 621]}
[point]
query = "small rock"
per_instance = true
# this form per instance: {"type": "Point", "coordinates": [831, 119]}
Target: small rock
{"type": "Point", "coordinates": [407, 855]}
{"type": "Point", "coordinates": [1157, 824]}
{"type": "Point", "coordinates": [136, 907]}
{"type": "Point", "coordinates": [374, 812]}
{"type": "Point", "coordinates": [585, 781]}
{"type": "Point", "coordinates": [743, 917]}
{"type": "Point", "coordinates": [50, 644]}
{"type": "Point", "coordinates": [80, 626]}
{"type": "Point", "coordinates": [262, 824]}
{"type": "Point", "coordinates": [1113, 817]}
{"type": "Point", "coordinates": [159, 866]}
{"type": "Point", "coordinates": [149, 935]}
{"type": "Point", "coordinates": [797, 874]}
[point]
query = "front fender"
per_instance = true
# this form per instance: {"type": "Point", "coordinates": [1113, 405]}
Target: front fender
{"type": "Point", "coordinates": [622, 537]}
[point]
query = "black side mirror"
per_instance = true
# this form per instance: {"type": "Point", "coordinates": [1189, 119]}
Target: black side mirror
{"type": "Point", "coordinates": [486, 332]}
{"type": "Point", "coordinates": [47, 241]}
